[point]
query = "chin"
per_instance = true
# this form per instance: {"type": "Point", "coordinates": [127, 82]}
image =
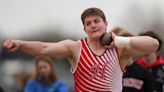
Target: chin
{"type": "Point", "coordinates": [95, 37]}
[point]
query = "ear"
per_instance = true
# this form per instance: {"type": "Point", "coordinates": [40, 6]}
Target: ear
{"type": "Point", "coordinates": [106, 23]}
{"type": "Point", "coordinates": [84, 29]}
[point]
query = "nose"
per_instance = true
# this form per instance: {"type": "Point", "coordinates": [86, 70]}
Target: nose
{"type": "Point", "coordinates": [93, 25]}
{"type": "Point", "coordinates": [43, 69]}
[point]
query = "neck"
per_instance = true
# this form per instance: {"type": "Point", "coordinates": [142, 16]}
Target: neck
{"type": "Point", "coordinates": [95, 46]}
{"type": "Point", "coordinates": [44, 80]}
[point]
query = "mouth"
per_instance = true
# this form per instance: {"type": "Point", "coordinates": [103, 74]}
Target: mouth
{"type": "Point", "coordinates": [94, 31]}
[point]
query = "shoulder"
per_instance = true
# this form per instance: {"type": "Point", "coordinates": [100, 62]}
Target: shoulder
{"type": "Point", "coordinates": [71, 43]}
{"type": "Point", "coordinates": [73, 46]}
{"type": "Point", "coordinates": [140, 61]}
{"type": "Point", "coordinates": [140, 67]}
{"type": "Point", "coordinates": [30, 86]}
{"type": "Point", "coordinates": [59, 82]}
{"type": "Point", "coordinates": [31, 82]}
{"type": "Point", "coordinates": [61, 86]}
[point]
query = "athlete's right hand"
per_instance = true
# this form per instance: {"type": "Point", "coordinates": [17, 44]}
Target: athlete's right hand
{"type": "Point", "coordinates": [11, 45]}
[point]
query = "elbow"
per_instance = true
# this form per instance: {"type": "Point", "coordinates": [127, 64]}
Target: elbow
{"type": "Point", "coordinates": [155, 45]}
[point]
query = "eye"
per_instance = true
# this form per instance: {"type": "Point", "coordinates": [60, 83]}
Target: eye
{"type": "Point", "coordinates": [97, 21]}
{"type": "Point", "coordinates": [42, 67]}
{"type": "Point", "coordinates": [87, 23]}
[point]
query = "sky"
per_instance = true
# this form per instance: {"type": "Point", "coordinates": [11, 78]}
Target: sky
{"type": "Point", "coordinates": [19, 18]}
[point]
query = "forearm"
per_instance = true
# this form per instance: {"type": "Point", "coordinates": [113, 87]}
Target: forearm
{"type": "Point", "coordinates": [144, 43]}
{"type": "Point", "coordinates": [32, 47]}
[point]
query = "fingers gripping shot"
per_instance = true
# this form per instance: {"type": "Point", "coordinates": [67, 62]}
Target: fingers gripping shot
{"type": "Point", "coordinates": [106, 39]}
{"type": "Point", "coordinates": [97, 63]}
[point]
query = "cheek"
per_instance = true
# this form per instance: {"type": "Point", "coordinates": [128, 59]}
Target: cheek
{"type": "Point", "coordinates": [48, 69]}
{"type": "Point", "coordinates": [44, 70]}
{"type": "Point", "coordinates": [103, 26]}
{"type": "Point", "coordinates": [86, 30]}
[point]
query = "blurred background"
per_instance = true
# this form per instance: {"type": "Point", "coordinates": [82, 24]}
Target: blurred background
{"type": "Point", "coordinates": [56, 20]}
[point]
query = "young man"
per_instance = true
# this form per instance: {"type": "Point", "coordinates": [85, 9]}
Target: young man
{"type": "Point", "coordinates": [95, 67]}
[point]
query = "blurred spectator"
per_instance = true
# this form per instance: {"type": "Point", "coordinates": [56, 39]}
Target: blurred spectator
{"type": "Point", "coordinates": [154, 63]}
{"type": "Point", "coordinates": [135, 78]}
{"type": "Point", "coordinates": [45, 78]}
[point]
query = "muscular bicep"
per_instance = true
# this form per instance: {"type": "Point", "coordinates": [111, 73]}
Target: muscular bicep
{"type": "Point", "coordinates": [59, 49]}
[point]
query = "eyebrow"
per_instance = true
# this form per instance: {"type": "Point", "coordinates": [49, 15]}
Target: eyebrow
{"type": "Point", "coordinates": [92, 20]}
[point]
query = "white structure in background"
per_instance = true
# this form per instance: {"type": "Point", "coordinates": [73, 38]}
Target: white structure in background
{"type": "Point", "coordinates": [9, 68]}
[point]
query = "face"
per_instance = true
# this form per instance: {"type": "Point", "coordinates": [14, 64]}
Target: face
{"type": "Point", "coordinates": [43, 68]}
{"type": "Point", "coordinates": [94, 26]}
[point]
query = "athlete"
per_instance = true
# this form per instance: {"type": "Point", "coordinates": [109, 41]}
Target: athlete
{"type": "Point", "coordinates": [95, 67]}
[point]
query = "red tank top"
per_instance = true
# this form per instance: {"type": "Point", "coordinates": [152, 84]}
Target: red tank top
{"type": "Point", "coordinates": [97, 73]}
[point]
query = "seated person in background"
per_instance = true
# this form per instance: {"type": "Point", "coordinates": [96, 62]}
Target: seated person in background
{"type": "Point", "coordinates": [135, 78]}
{"type": "Point", "coordinates": [45, 79]}
{"type": "Point", "coordinates": [154, 62]}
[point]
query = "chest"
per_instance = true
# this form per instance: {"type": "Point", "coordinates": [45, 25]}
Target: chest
{"type": "Point", "coordinates": [98, 66]}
